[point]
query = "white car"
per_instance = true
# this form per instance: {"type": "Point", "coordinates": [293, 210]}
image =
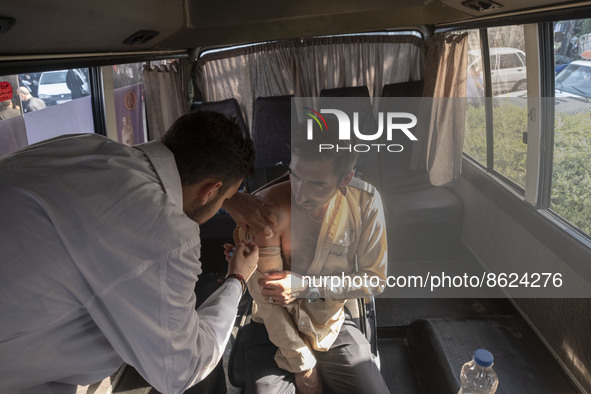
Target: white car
{"type": "Point", "coordinates": [574, 80]}
{"type": "Point", "coordinates": [572, 87]}
{"type": "Point", "coordinates": [53, 88]}
{"type": "Point", "coordinates": [508, 72]}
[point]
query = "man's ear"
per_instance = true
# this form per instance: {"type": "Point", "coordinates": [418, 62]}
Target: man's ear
{"type": "Point", "coordinates": [208, 190]}
{"type": "Point", "coordinates": [345, 182]}
{"type": "Point", "coordinates": [347, 179]}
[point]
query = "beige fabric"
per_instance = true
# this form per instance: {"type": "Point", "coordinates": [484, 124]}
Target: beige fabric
{"type": "Point", "coordinates": [304, 67]}
{"type": "Point", "coordinates": [165, 98]}
{"type": "Point", "coordinates": [352, 235]}
{"type": "Point", "coordinates": [440, 151]}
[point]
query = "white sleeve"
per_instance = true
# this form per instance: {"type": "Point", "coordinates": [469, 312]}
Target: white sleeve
{"type": "Point", "coordinates": [215, 325]}
{"type": "Point", "coordinates": [150, 320]}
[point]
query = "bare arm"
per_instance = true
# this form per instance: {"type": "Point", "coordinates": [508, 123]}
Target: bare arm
{"type": "Point", "coordinates": [252, 212]}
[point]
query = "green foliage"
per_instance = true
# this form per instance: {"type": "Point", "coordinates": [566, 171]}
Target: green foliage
{"type": "Point", "coordinates": [585, 26]}
{"type": "Point", "coordinates": [510, 153]}
{"type": "Point", "coordinates": [475, 133]}
{"type": "Point", "coordinates": [571, 180]}
{"type": "Point", "coordinates": [510, 121]}
{"type": "Point", "coordinates": [571, 173]}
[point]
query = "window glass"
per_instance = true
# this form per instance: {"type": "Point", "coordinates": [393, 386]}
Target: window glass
{"type": "Point", "coordinates": [508, 44]}
{"type": "Point", "coordinates": [130, 110]}
{"type": "Point", "coordinates": [509, 90]}
{"type": "Point", "coordinates": [570, 196]}
{"type": "Point", "coordinates": [38, 106]}
{"type": "Point", "coordinates": [475, 130]}
{"type": "Point", "coordinates": [494, 65]}
{"type": "Point", "coordinates": [510, 60]}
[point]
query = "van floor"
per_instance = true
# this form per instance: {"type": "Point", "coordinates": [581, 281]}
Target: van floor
{"type": "Point", "coordinates": [396, 310]}
{"type": "Point", "coordinates": [394, 317]}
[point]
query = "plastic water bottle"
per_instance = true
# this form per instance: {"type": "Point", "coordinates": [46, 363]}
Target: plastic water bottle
{"type": "Point", "coordinates": [478, 376]}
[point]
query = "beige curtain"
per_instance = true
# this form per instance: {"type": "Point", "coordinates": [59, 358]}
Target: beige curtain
{"type": "Point", "coordinates": [247, 73]}
{"type": "Point", "coordinates": [166, 97]}
{"type": "Point", "coordinates": [440, 152]}
{"type": "Point", "coordinates": [372, 61]}
{"type": "Point", "coordinates": [304, 67]}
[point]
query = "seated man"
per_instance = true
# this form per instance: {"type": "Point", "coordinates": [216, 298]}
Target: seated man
{"type": "Point", "coordinates": [328, 224]}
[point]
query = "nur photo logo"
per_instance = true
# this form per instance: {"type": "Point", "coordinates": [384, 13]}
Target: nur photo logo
{"type": "Point", "coordinates": [388, 124]}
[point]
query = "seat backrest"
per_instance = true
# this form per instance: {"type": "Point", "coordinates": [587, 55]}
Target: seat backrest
{"type": "Point", "coordinates": [403, 89]}
{"type": "Point", "coordinates": [399, 163]}
{"type": "Point", "coordinates": [271, 130]}
{"type": "Point", "coordinates": [228, 107]}
{"type": "Point", "coordinates": [348, 91]}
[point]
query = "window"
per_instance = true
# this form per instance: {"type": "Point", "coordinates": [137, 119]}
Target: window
{"type": "Point", "coordinates": [475, 128]}
{"type": "Point", "coordinates": [570, 195]}
{"type": "Point", "coordinates": [495, 131]}
{"type": "Point", "coordinates": [510, 61]}
{"type": "Point", "coordinates": [38, 106]}
{"type": "Point", "coordinates": [507, 76]}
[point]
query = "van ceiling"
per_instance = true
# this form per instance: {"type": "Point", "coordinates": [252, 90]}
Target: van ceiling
{"type": "Point", "coordinates": [89, 26]}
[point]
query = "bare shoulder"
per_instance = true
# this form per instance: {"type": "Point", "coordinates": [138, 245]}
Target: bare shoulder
{"type": "Point", "coordinates": [279, 196]}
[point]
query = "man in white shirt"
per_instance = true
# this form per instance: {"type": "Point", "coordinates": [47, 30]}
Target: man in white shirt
{"type": "Point", "coordinates": [100, 255]}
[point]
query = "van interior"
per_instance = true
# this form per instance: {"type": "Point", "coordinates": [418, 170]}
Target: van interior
{"type": "Point", "coordinates": [450, 206]}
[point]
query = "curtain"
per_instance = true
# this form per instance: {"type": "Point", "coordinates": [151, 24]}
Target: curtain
{"type": "Point", "coordinates": [166, 97]}
{"type": "Point", "coordinates": [440, 152]}
{"type": "Point", "coordinates": [247, 73]}
{"type": "Point", "coordinates": [304, 67]}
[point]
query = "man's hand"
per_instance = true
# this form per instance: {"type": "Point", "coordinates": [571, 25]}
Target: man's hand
{"type": "Point", "coordinates": [251, 212]}
{"type": "Point", "coordinates": [308, 382]}
{"type": "Point", "coordinates": [282, 286]}
{"type": "Point", "coordinates": [243, 259]}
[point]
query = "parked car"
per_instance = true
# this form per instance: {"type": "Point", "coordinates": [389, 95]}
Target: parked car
{"type": "Point", "coordinates": [574, 80]}
{"type": "Point", "coordinates": [573, 88]}
{"type": "Point", "coordinates": [53, 86]}
{"type": "Point", "coordinates": [572, 93]}
{"type": "Point", "coordinates": [508, 72]}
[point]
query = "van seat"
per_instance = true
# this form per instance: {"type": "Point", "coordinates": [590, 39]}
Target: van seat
{"type": "Point", "coordinates": [425, 206]}
{"type": "Point", "coordinates": [425, 221]}
{"type": "Point", "coordinates": [271, 130]}
{"type": "Point", "coordinates": [404, 89]}
{"type": "Point", "coordinates": [348, 91]}
{"type": "Point", "coordinates": [228, 107]}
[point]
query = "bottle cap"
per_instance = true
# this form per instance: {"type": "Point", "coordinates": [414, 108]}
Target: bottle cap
{"type": "Point", "coordinates": [483, 357]}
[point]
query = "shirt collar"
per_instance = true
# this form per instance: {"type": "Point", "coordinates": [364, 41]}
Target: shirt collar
{"type": "Point", "coordinates": [163, 161]}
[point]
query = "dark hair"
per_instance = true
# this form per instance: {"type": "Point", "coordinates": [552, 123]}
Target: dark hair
{"type": "Point", "coordinates": [207, 144]}
{"type": "Point", "coordinates": [344, 161]}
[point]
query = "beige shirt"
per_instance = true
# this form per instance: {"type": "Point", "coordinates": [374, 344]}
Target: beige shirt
{"type": "Point", "coordinates": [351, 246]}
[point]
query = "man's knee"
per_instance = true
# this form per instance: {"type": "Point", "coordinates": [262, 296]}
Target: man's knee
{"type": "Point", "coordinates": [348, 365]}
{"type": "Point", "coordinates": [262, 373]}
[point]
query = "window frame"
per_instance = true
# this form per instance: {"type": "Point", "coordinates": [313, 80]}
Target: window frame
{"type": "Point", "coordinates": [95, 63]}
{"type": "Point", "coordinates": [539, 43]}
{"type": "Point", "coordinates": [488, 108]}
